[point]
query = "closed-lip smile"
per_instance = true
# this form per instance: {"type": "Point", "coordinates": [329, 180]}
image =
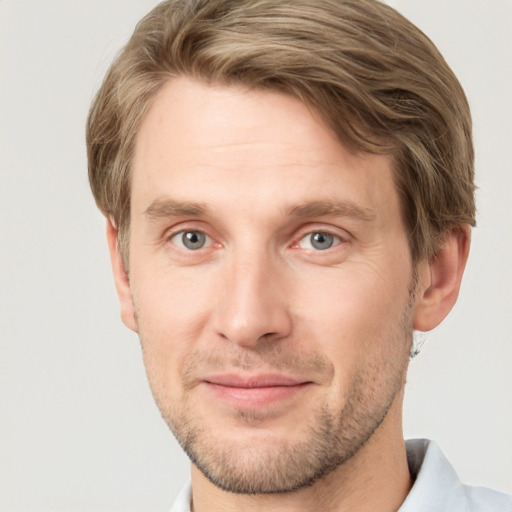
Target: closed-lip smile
{"type": "Point", "coordinates": [254, 391]}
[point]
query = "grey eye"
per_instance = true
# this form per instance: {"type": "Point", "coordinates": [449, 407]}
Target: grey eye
{"type": "Point", "coordinates": [319, 241]}
{"type": "Point", "coordinates": [191, 240]}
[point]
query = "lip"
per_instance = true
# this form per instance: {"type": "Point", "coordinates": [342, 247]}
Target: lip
{"type": "Point", "coordinates": [254, 391]}
{"type": "Point", "coordinates": [252, 381]}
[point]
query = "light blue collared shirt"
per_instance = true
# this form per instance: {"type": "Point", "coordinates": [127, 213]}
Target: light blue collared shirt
{"type": "Point", "coordinates": [436, 488]}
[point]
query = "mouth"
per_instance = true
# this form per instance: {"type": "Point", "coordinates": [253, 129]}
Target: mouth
{"type": "Point", "coordinates": [254, 391]}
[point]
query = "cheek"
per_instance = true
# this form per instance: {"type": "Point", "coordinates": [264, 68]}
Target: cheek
{"type": "Point", "coordinates": [172, 299]}
{"type": "Point", "coordinates": [358, 321]}
{"type": "Point", "coordinates": [172, 313]}
{"type": "Point", "coordinates": [355, 310]}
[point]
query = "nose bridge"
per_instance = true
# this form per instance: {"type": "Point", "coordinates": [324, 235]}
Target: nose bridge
{"type": "Point", "coordinates": [253, 303]}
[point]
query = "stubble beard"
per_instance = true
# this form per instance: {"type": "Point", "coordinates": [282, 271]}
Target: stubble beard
{"type": "Point", "coordinates": [331, 438]}
{"type": "Point", "coordinates": [329, 441]}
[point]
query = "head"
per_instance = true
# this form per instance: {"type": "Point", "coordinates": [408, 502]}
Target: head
{"type": "Point", "coordinates": [378, 81]}
{"type": "Point", "coordinates": [343, 106]}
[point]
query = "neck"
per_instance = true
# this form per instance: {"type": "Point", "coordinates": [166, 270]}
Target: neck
{"type": "Point", "coordinates": [375, 478]}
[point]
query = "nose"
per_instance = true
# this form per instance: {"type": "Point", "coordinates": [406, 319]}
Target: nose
{"type": "Point", "coordinates": [253, 305]}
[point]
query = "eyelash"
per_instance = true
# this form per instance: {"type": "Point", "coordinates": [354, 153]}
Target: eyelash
{"type": "Point", "coordinates": [335, 240]}
{"type": "Point", "coordinates": [183, 232]}
{"type": "Point", "coordinates": [180, 243]}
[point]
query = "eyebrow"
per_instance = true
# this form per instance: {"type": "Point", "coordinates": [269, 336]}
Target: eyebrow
{"type": "Point", "coordinates": [168, 208]}
{"type": "Point", "coordinates": [341, 208]}
{"type": "Point", "coordinates": [164, 208]}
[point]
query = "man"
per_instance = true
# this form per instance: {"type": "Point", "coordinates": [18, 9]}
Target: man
{"type": "Point", "coordinates": [288, 189]}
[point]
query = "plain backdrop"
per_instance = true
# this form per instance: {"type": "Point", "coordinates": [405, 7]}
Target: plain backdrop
{"type": "Point", "coordinates": [78, 427]}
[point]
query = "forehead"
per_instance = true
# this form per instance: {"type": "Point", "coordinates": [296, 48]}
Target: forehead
{"type": "Point", "coordinates": [198, 138]}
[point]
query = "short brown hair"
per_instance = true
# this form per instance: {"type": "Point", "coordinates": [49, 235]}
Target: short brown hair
{"type": "Point", "coordinates": [376, 79]}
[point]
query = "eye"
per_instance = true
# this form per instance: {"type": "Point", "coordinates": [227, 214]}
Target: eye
{"type": "Point", "coordinates": [319, 241]}
{"type": "Point", "coordinates": [191, 240]}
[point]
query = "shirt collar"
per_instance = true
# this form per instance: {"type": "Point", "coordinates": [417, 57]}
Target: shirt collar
{"type": "Point", "coordinates": [436, 485]}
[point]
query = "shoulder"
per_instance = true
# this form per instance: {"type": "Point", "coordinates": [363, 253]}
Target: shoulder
{"type": "Point", "coordinates": [481, 499]}
{"type": "Point", "coordinates": [437, 487]}
{"type": "Point", "coordinates": [183, 500]}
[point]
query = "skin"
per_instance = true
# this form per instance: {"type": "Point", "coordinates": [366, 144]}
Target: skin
{"type": "Point", "coordinates": [257, 173]}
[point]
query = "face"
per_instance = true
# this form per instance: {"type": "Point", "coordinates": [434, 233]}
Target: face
{"type": "Point", "coordinates": [271, 280]}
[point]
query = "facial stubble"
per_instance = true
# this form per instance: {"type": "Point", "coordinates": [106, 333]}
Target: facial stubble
{"type": "Point", "coordinates": [329, 439]}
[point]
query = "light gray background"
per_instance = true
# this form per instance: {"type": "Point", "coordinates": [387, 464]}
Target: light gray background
{"type": "Point", "coordinates": [78, 427]}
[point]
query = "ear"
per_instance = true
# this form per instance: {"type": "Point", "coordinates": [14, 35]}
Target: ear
{"type": "Point", "coordinates": [440, 278]}
{"type": "Point", "coordinates": [121, 279]}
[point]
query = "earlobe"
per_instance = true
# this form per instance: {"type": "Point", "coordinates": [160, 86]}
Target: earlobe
{"type": "Point", "coordinates": [439, 280]}
{"type": "Point", "coordinates": [121, 278]}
